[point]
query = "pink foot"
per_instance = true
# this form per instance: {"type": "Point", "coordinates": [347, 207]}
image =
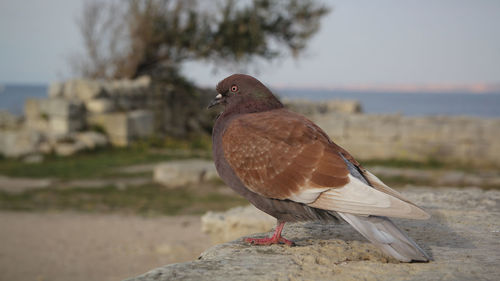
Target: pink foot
{"type": "Point", "coordinates": [275, 239]}
{"type": "Point", "coordinates": [269, 241]}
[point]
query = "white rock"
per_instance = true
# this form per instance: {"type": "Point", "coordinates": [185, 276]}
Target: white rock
{"type": "Point", "coordinates": [236, 222]}
{"type": "Point", "coordinates": [45, 147]}
{"type": "Point", "coordinates": [19, 143]}
{"type": "Point", "coordinates": [141, 123]}
{"type": "Point", "coordinates": [56, 90]}
{"type": "Point", "coordinates": [461, 238]}
{"type": "Point", "coordinates": [8, 120]}
{"type": "Point", "coordinates": [308, 107]}
{"type": "Point", "coordinates": [126, 86]}
{"type": "Point", "coordinates": [67, 149]}
{"type": "Point", "coordinates": [54, 115]}
{"type": "Point", "coordinates": [32, 110]}
{"type": "Point", "coordinates": [83, 89]}
{"type": "Point", "coordinates": [99, 105]}
{"type": "Point", "coordinates": [123, 127]}
{"type": "Point", "coordinates": [64, 126]}
{"type": "Point", "coordinates": [115, 125]}
{"type": "Point", "coordinates": [91, 139]}
{"type": "Point", "coordinates": [41, 125]}
{"type": "Point", "coordinates": [183, 172]}
{"type": "Point", "coordinates": [61, 107]}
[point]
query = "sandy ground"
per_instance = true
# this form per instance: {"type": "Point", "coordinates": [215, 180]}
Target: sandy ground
{"type": "Point", "coordinates": [72, 246]}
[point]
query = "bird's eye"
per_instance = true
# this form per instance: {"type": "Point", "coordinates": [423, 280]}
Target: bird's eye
{"type": "Point", "coordinates": [234, 88]}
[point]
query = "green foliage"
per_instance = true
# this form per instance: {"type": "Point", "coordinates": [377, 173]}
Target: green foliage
{"type": "Point", "coordinates": [97, 128]}
{"type": "Point", "coordinates": [146, 200]}
{"type": "Point", "coordinates": [196, 142]}
{"type": "Point", "coordinates": [199, 143]}
{"type": "Point", "coordinates": [128, 39]}
{"type": "Point", "coordinates": [154, 37]}
{"type": "Point", "coordinates": [44, 116]}
{"type": "Point", "coordinates": [92, 164]}
{"type": "Point", "coordinates": [264, 28]}
{"type": "Point", "coordinates": [202, 142]}
{"type": "Point", "coordinates": [406, 163]}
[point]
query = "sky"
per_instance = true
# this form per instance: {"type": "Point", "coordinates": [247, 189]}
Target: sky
{"type": "Point", "coordinates": [361, 42]}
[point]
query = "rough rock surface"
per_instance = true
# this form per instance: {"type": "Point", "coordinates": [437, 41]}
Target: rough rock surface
{"type": "Point", "coordinates": [310, 108]}
{"type": "Point", "coordinates": [237, 222]}
{"type": "Point", "coordinates": [452, 139]}
{"type": "Point", "coordinates": [99, 106]}
{"type": "Point", "coordinates": [182, 172]}
{"type": "Point", "coordinates": [73, 143]}
{"type": "Point", "coordinates": [463, 237]}
{"type": "Point", "coordinates": [91, 139]}
{"type": "Point", "coordinates": [124, 127]}
{"type": "Point", "coordinates": [54, 115]}
{"type": "Point", "coordinates": [18, 143]}
{"type": "Point", "coordinates": [8, 120]}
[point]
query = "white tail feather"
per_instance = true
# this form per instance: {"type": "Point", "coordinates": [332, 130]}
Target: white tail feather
{"type": "Point", "coordinates": [356, 197]}
{"type": "Point", "coordinates": [382, 232]}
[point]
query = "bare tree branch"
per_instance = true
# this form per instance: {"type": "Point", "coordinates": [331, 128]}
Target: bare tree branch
{"type": "Point", "coordinates": [154, 37]}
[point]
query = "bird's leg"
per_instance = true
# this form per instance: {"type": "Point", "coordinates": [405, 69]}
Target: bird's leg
{"type": "Point", "coordinates": [275, 239]}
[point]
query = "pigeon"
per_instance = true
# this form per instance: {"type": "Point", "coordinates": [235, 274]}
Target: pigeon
{"type": "Point", "coordinates": [289, 168]}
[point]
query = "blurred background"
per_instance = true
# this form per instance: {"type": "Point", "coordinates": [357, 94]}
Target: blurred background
{"type": "Point", "coordinates": [105, 147]}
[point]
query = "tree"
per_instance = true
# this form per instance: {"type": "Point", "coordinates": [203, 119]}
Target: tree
{"type": "Point", "coordinates": [127, 39]}
{"type": "Point", "coordinates": [154, 37]}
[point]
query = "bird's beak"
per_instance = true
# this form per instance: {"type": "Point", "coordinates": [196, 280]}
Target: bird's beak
{"type": "Point", "coordinates": [216, 101]}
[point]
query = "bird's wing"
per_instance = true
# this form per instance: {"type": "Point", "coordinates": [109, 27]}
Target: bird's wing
{"type": "Point", "coordinates": [282, 155]}
{"type": "Point", "coordinates": [277, 154]}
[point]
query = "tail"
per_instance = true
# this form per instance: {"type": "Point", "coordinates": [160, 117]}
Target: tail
{"type": "Point", "coordinates": [382, 232]}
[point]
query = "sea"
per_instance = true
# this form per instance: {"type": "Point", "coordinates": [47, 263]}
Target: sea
{"type": "Point", "coordinates": [486, 105]}
{"type": "Point", "coordinates": [12, 96]}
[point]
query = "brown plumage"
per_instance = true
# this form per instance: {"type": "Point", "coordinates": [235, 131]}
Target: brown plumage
{"type": "Point", "coordinates": [289, 168]}
{"type": "Point", "coordinates": [284, 150]}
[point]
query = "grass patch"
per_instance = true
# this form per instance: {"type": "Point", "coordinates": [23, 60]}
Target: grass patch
{"type": "Point", "coordinates": [120, 174]}
{"type": "Point", "coordinates": [145, 200]}
{"type": "Point", "coordinates": [401, 181]}
{"type": "Point", "coordinates": [93, 164]}
{"type": "Point", "coordinates": [430, 164]}
{"type": "Point", "coordinates": [194, 142]}
{"type": "Point", "coordinates": [404, 163]}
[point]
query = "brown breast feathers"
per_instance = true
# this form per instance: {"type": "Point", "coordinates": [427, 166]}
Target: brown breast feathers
{"type": "Point", "coordinates": [279, 153]}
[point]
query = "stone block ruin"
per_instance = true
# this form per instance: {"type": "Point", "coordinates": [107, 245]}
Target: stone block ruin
{"type": "Point", "coordinates": [85, 114]}
{"type": "Point", "coordinates": [78, 115]}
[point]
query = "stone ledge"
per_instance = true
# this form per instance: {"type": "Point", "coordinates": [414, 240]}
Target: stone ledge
{"type": "Point", "coordinates": [236, 222]}
{"type": "Point", "coordinates": [462, 236]}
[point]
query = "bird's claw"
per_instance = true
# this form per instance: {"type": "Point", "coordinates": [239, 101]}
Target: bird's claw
{"type": "Point", "coordinates": [269, 241]}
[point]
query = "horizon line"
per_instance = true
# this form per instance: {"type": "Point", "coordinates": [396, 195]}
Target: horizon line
{"type": "Point", "coordinates": [477, 88]}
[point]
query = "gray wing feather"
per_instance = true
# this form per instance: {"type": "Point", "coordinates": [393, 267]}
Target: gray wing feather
{"type": "Point", "coordinates": [382, 232]}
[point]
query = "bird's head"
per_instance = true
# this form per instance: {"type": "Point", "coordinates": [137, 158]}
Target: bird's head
{"type": "Point", "coordinates": [244, 94]}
